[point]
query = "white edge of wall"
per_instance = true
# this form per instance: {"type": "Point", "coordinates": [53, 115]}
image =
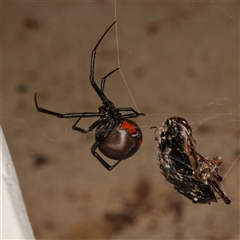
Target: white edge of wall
{"type": "Point", "coordinates": [14, 222]}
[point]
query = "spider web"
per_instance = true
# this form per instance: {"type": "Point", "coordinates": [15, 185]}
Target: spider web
{"type": "Point", "coordinates": [145, 67]}
{"type": "Point", "coordinates": [175, 58]}
{"type": "Point", "coordinates": [220, 103]}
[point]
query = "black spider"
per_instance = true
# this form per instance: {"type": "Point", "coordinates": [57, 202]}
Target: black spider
{"type": "Point", "coordinates": [116, 136]}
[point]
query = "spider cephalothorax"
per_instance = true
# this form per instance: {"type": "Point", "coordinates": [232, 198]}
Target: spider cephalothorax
{"type": "Point", "coordinates": [116, 136]}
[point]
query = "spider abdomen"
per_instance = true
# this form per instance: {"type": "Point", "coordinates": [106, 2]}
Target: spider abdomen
{"type": "Point", "coordinates": [122, 141]}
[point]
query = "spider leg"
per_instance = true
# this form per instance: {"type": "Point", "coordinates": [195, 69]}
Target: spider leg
{"type": "Point", "coordinates": [65, 115]}
{"type": "Point", "coordinates": [93, 56]}
{"type": "Point", "coordinates": [104, 79]}
{"type": "Point", "coordinates": [105, 129]}
{"type": "Point", "coordinates": [130, 115]}
{"type": "Point", "coordinates": [89, 129]}
{"type": "Point", "coordinates": [104, 163]}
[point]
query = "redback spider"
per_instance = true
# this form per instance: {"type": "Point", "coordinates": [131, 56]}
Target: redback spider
{"type": "Point", "coordinates": [116, 136]}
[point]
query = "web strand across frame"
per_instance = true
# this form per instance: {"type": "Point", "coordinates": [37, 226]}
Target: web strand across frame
{"type": "Point", "coordinates": [237, 159]}
{"type": "Point", "coordinates": [233, 114]}
{"type": "Point", "coordinates": [118, 58]}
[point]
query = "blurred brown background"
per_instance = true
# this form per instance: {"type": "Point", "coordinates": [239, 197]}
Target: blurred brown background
{"type": "Point", "coordinates": [178, 59]}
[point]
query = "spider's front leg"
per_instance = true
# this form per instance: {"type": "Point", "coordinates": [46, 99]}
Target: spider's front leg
{"type": "Point", "coordinates": [104, 163]}
{"type": "Point", "coordinates": [130, 115]}
{"type": "Point", "coordinates": [105, 78]}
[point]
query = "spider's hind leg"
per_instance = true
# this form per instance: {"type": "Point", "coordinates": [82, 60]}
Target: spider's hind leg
{"type": "Point", "coordinates": [104, 163]}
{"type": "Point", "coordinates": [89, 129]}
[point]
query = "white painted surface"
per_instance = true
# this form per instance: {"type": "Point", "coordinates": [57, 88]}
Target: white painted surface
{"type": "Point", "coordinates": [14, 219]}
